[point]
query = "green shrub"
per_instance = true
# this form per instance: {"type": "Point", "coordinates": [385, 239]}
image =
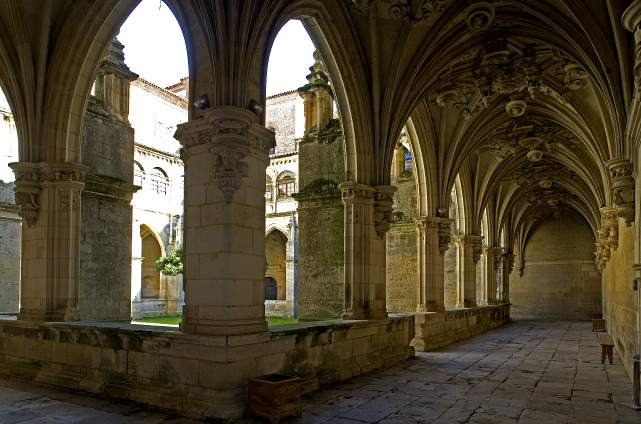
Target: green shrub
{"type": "Point", "coordinates": [171, 264]}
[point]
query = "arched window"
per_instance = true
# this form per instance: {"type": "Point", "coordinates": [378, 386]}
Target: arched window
{"type": "Point", "coordinates": [286, 184]}
{"type": "Point", "coordinates": [269, 191]}
{"type": "Point", "coordinates": [159, 181]}
{"type": "Point", "coordinates": [271, 289]}
{"type": "Point", "coordinates": [139, 174]}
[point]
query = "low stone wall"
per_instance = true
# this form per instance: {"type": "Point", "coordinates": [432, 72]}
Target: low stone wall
{"type": "Point", "coordinates": [435, 330]}
{"type": "Point", "coordinates": [197, 376]}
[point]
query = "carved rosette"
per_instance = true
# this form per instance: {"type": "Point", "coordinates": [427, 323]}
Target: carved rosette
{"type": "Point", "coordinates": [479, 16]}
{"type": "Point", "coordinates": [622, 188]}
{"type": "Point", "coordinates": [31, 178]}
{"type": "Point", "coordinates": [230, 134]}
{"type": "Point", "coordinates": [383, 202]}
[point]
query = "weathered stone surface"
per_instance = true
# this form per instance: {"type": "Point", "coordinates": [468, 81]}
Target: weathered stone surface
{"type": "Point", "coordinates": [106, 215]}
{"type": "Point", "coordinates": [402, 276]}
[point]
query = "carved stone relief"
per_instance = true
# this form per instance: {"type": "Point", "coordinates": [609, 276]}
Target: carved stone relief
{"type": "Point", "coordinates": [528, 135]}
{"type": "Point", "coordinates": [503, 70]}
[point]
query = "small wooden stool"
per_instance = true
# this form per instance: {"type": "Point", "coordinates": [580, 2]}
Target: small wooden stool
{"type": "Point", "coordinates": [607, 347]}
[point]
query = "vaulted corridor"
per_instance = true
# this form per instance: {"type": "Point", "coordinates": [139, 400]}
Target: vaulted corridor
{"type": "Point", "coordinates": [525, 372]}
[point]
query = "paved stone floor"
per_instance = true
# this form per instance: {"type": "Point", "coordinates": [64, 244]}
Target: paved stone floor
{"type": "Point", "coordinates": [525, 372]}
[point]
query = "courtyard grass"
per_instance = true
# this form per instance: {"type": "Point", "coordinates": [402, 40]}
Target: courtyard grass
{"type": "Point", "coordinates": [176, 319]}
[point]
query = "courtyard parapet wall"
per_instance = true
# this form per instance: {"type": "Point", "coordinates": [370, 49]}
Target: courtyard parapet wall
{"type": "Point", "coordinates": [196, 375]}
{"type": "Point", "coordinates": [435, 330]}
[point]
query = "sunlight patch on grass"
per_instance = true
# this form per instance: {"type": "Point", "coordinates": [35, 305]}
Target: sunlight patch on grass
{"type": "Point", "coordinates": [175, 320]}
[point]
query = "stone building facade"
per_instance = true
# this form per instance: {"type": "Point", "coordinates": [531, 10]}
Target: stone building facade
{"type": "Point", "coordinates": [158, 204]}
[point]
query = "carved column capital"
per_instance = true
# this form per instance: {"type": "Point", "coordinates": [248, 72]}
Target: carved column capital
{"type": "Point", "coordinates": [441, 225]}
{"type": "Point", "coordinates": [354, 192]}
{"type": "Point", "coordinates": [31, 177]}
{"type": "Point", "coordinates": [229, 134]}
{"type": "Point", "coordinates": [622, 188]}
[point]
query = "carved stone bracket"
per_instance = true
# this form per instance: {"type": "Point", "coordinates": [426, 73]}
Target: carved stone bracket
{"type": "Point", "coordinates": [508, 259]}
{"type": "Point", "coordinates": [383, 212]}
{"type": "Point", "coordinates": [622, 188]}
{"type": "Point", "coordinates": [30, 178]}
{"type": "Point", "coordinates": [442, 226]}
{"type": "Point", "coordinates": [607, 237]}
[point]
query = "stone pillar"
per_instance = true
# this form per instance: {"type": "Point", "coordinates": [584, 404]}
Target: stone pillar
{"type": "Point", "coordinates": [321, 225]}
{"type": "Point", "coordinates": [433, 238]}
{"type": "Point", "coordinates": [493, 261]}
{"type": "Point", "coordinates": [469, 255]}
{"type": "Point", "coordinates": [107, 144]}
{"type": "Point", "coordinates": [368, 214]}
{"type": "Point", "coordinates": [398, 161]}
{"type": "Point", "coordinates": [508, 266]}
{"type": "Point", "coordinates": [291, 272]}
{"type": "Point", "coordinates": [225, 153]}
{"type": "Point", "coordinates": [49, 198]}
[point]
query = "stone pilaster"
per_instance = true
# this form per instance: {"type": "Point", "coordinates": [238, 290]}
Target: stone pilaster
{"type": "Point", "coordinates": [470, 249]}
{"type": "Point", "coordinates": [433, 236]}
{"type": "Point", "coordinates": [225, 155]}
{"type": "Point", "coordinates": [368, 215]}
{"type": "Point", "coordinates": [493, 257]}
{"type": "Point", "coordinates": [48, 195]}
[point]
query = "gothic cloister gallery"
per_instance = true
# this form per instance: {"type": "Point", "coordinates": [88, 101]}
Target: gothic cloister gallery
{"type": "Point", "coordinates": [465, 164]}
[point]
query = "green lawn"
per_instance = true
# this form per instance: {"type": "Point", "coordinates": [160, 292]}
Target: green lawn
{"type": "Point", "coordinates": [175, 320]}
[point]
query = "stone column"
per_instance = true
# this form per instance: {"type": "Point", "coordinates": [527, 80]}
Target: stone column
{"type": "Point", "coordinates": [433, 237]}
{"type": "Point", "coordinates": [49, 198]}
{"type": "Point", "coordinates": [225, 153]}
{"type": "Point", "coordinates": [469, 255]}
{"type": "Point", "coordinates": [291, 272]}
{"type": "Point", "coordinates": [493, 260]}
{"type": "Point", "coordinates": [368, 214]}
{"type": "Point", "coordinates": [508, 266]}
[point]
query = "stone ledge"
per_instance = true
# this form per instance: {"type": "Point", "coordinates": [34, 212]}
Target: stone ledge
{"type": "Point", "coordinates": [197, 376]}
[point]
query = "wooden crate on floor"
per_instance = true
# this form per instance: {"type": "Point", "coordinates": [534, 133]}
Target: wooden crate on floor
{"type": "Point", "coordinates": [274, 396]}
